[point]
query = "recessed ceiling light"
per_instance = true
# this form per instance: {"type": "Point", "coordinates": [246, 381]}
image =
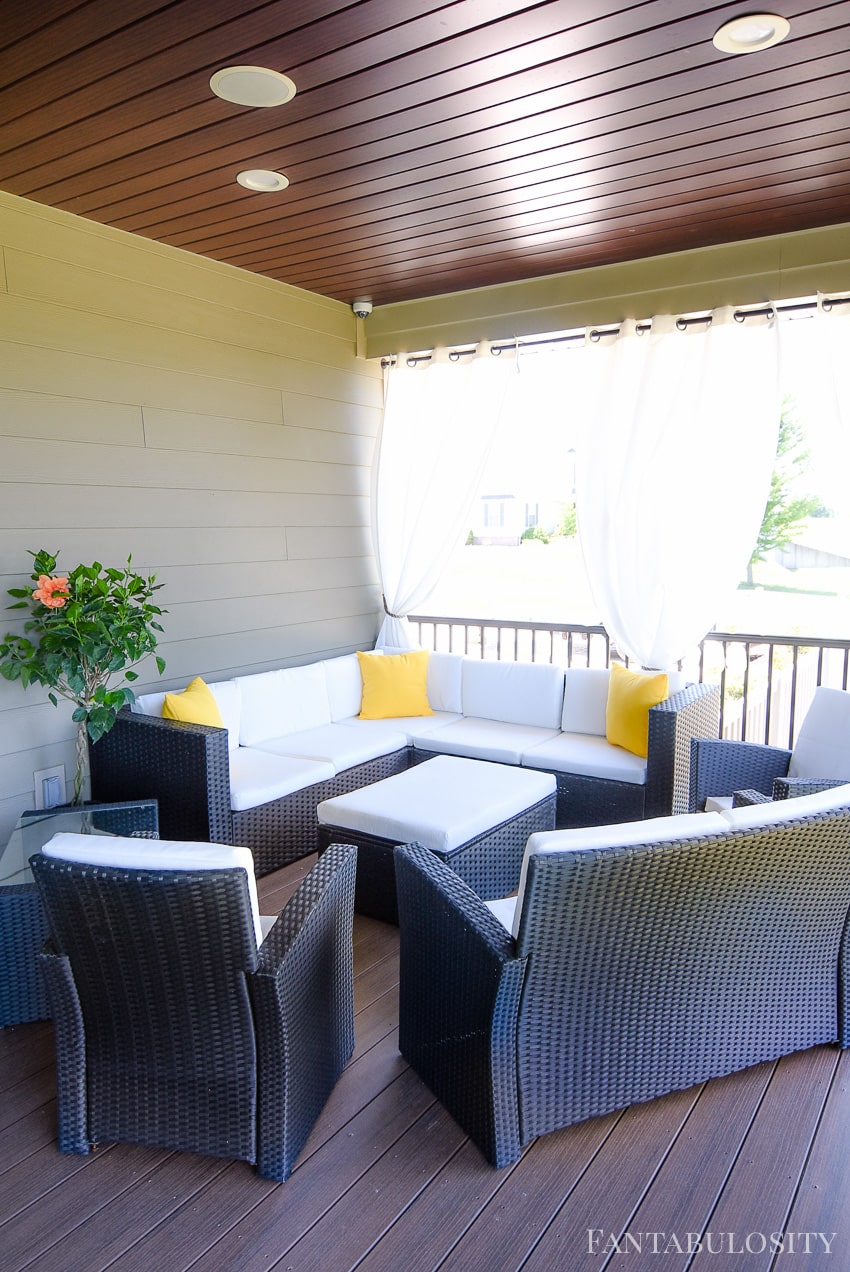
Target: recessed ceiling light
{"type": "Point", "coordinates": [750, 33]}
{"type": "Point", "coordinates": [263, 180]}
{"type": "Point", "coordinates": [252, 86]}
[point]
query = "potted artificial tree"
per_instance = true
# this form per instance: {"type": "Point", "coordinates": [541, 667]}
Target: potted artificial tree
{"type": "Point", "coordinates": [86, 632]}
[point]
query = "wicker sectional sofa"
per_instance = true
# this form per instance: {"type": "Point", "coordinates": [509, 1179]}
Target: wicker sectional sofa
{"type": "Point", "coordinates": [292, 738]}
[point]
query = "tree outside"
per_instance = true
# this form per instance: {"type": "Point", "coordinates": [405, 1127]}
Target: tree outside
{"type": "Point", "coordinates": [786, 511]}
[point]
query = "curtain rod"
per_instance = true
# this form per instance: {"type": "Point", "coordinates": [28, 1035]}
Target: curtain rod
{"type": "Point", "coordinates": [596, 333]}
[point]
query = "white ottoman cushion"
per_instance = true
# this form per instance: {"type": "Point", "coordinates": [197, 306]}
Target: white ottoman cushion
{"type": "Point", "coordinates": [442, 803]}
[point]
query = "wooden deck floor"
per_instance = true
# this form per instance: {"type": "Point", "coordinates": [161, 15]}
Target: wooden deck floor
{"type": "Point", "coordinates": [388, 1183]}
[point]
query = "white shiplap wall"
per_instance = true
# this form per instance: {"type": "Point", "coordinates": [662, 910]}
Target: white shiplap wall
{"type": "Point", "coordinates": [216, 425]}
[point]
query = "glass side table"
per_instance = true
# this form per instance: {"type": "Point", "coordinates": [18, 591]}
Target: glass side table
{"type": "Point", "coordinates": [23, 926]}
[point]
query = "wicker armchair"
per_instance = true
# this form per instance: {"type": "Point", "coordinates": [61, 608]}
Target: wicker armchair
{"type": "Point", "coordinates": [174, 1029]}
{"type": "Point", "coordinates": [634, 967]}
{"type": "Point", "coordinates": [748, 772]}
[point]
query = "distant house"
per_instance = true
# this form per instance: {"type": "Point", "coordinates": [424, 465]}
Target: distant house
{"type": "Point", "coordinates": [503, 519]}
{"type": "Point", "coordinates": [823, 544]}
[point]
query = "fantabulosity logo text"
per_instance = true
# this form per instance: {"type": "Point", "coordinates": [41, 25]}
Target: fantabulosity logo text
{"type": "Point", "coordinates": [803, 1243]}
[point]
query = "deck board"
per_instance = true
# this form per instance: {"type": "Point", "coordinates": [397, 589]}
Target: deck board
{"type": "Point", "coordinates": [388, 1181]}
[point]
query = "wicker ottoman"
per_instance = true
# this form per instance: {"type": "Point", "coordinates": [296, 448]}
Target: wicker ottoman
{"type": "Point", "coordinates": [474, 814]}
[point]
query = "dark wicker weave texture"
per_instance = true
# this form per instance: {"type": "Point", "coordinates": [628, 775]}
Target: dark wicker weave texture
{"type": "Point", "coordinates": [23, 928]}
{"type": "Point", "coordinates": [171, 1030]}
{"type": "Point", "coordinates": [648, 969]}
{"type": "Point", "coordinates": [721, 766]}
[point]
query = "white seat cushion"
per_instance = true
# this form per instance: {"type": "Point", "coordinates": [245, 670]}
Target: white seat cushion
{"type": "Point", "coordinates": [482, 739]}
{"type": "Point", "coordinates": [157, 854]}
{"type": "Point", "coordinates": [822, 748]}
{"type": "Point", "coordinates": [408, 725]}
{"type": "Point", "coordinates": [441, 803]}
{"type": "Point", "coordinates": [336, 744]}
{"type": "Point", "coordinates": [256, 777]}
{"type": "Point", "coordinates": [588, 756]}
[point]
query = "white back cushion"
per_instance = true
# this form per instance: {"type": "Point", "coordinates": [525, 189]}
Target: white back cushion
{"type": "Point", "coordinates": [156, 854]}
{"type": "Point", "coordinates": [444, 682]}
{"type": "Point", "coordinates": [586, 697]}
{"type": "Point", "coordinates": [823, 745]}
{"type": "Point", "coordinates": [345, 686]}
{"type": "Point", "coordinates": [229, 702]}
{"type": "Point", "coordinates": [275, 703]}
{"type": "Point", "coordinates": [150, 704]}
{"type": "Point", "coordinates": [516, 693]}
{"type": "Point", "coordinates": [585, 700]}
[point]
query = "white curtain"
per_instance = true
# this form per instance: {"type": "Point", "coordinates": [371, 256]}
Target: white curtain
{"type": "Point", "coordinates": [673, 475]}
{"type": "Point", "coordinates": [440, 418]}
{"type": "Point", "coordinates": [816, 377]}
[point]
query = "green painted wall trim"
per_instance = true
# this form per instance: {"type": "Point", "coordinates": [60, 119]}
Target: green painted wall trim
{"type": "Point", "coordinates": [782, 267]}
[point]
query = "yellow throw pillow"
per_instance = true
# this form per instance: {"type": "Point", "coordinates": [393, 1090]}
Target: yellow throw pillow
{"type": "Point", "coordinates": [195, 705]}
{"type": "Point", "coordinates": [394, 685]}
{"type": "Point", "coordinates": [630, 695]}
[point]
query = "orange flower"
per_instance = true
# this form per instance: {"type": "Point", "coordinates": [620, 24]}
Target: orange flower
{"type": "Point", "coordinates": [51, 592]}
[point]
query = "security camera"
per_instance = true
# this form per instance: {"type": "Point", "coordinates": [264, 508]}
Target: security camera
{"type": "Point", "coordinates": [362, 308]}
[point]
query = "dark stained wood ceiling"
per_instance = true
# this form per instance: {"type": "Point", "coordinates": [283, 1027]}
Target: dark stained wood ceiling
{"type": "Point", "coordinates": [431, 146]}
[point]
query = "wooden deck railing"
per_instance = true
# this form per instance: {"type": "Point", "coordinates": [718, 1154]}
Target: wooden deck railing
{"type": "Point", "coordinates": [766, 682]}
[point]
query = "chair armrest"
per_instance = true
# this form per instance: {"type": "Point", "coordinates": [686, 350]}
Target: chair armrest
{"type": "Point", "coordinates": [791, 787]}
{"type": "Point", "coordinates": [693, 712]}
{"type": "Point", "coordinates": [746, 799]}
{"type": "Point", "coordinates": [185, 767]}
{"type": "Point", "coordinates": [303, 997]}
{"type": "Point", "coordinates": [460, 983]}
{"type": "Point", "coordinates": [69, 1033]}
{"type": "Point", "coordinates": [720, 766]}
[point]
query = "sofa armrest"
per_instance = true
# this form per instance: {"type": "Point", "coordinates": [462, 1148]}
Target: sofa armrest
{"type": "Point", "coordinates": [185, 767]}
{"type": "Point", "coordinates": [693, 712]}
{"type": "Point", "coordinates": [460, 983]}
{"type": "Point", "coordinates": [720, 766]}
{"type": "Point", "coordinates": [303, 998]}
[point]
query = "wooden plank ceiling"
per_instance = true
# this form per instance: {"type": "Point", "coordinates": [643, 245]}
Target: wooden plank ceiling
{"type": "Point", "coordinates": [431, 146]}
